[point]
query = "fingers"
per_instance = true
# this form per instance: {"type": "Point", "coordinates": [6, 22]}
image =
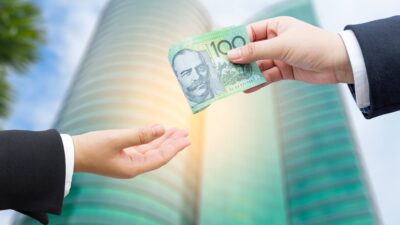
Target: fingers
{"type": "Point", "coordinates": [172, 147]}
{"type": "Point", "coordinates": [154, 159]}
{"type": "Point", "coordinates": [285, 71]}
{"type": "Point", "coordinates": [263, 42]}
{"type": "Point", "coordinates": [155, 143]}
{"type": "Point", "coordinates": [261, 30]}
{"type": "Point", "coordinates": [272, 71]}
{"type": "Point", "coordinates": [265, 64]}
{"type": "Point", "coordinates": [271, 75]}
{"type": "Point", "coordinates": [256, 88]}
{"type": "Point", "coordinates": [170, 133]}
{"type": "Point", "coordinates": [266, 49]}
{"type": "Point", "coordinates": [121, 139]}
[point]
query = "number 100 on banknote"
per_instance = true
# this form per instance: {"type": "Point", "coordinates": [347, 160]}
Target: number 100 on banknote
{"type": "Point", "coordinates": [204, 71]}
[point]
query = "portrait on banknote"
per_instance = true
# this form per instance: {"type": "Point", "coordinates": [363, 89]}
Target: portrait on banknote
{"type": "Point", "coordinates": [197, 75]}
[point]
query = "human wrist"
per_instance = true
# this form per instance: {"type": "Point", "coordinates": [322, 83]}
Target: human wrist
{"type": "Point", "coordinates": [343, 70]}
{"type": "Point", "coordinates": [79, 164]}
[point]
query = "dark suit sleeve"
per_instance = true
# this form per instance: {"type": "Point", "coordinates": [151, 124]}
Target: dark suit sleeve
{"type": "Point", "coordinates": [32, 172]}
{"type": "Point", "coordinates": [380, 45]}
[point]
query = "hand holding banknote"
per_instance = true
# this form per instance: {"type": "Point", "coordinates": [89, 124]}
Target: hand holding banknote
{"type": "Point", "coordinates": [203, 70]}
{"type": "Point", "coordinates": [285, 48]}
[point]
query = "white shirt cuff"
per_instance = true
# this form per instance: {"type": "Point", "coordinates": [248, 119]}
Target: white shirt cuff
{"type": "Point", "coordinates": [361, 85]}
{"type": "Point", "coordinates": [69, 161]}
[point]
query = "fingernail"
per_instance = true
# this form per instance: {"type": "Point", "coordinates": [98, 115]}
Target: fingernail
{"type": "Point", "coordinates": [235, 54]}
{"type": "Point", "coordinates": [157, 129]}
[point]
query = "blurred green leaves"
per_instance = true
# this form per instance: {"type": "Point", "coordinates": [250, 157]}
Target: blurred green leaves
{"type": "Point", "coordinates": [20, 38]}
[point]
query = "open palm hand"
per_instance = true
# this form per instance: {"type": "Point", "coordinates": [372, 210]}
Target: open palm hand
{"type": "Point", "coordinates": [128, 152]}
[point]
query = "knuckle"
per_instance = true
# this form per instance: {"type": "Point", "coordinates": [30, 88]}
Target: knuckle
{"type": "Point", "coordinates": [286, 18]}
{"type": "Point", "coordinates": [143, 135]}
{"type": "Point", "coordinates": [285, 53]}
{"type": "Point", "coordinates": [250, 50]}
{"type": "Point", "coordinates": [283, 22]}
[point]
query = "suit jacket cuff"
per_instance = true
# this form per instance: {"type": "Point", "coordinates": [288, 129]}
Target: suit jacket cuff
{"type": "Point", "coordinates": [380, 47]}
{"type": "Point", "coordinates": [361, 85]}
{"type": "Point", "coordinates": [69, 152]}
{"type": "Point", "coordinates": [32, 166]}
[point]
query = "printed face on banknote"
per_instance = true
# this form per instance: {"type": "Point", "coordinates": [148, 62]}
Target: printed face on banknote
{"type": "Point", "coordinates": [193, 74]}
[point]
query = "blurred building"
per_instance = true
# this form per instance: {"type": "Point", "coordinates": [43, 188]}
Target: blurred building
{"type": "Point", "coordinates": [323, 175]}
{"type": "Point", "coordinates": [125, 81]}
{"type": "Point", "coordinates": [283, 155]}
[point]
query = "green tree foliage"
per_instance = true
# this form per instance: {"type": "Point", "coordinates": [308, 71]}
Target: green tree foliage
{"type": "Point", "coordinates": [20, 38]}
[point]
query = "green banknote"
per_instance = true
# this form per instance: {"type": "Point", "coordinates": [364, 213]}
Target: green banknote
{"type": "Point", "coordinates": [203, 70]}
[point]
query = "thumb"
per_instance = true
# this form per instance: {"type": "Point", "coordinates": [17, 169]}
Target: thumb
{"type": "Point", "coordinates": [131, 137]}
{"type": "Point", "coordinates": [266, 49]}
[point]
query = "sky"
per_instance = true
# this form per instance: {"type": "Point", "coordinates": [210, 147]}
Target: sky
{"type": "Point", "coordinates": [69, 24]}
{"type": "Point", "coordinates": [39, 93]}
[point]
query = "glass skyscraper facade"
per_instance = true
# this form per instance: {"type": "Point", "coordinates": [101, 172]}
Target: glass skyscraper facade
{"type": "Point", "coordinates": [282, 155]}
{"type": "Point", "coordinates": [241, 179]}
{"type": "Point", "coordinates": [323, 174]}
{"type": "Point", "coordinates": [125, 81]}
